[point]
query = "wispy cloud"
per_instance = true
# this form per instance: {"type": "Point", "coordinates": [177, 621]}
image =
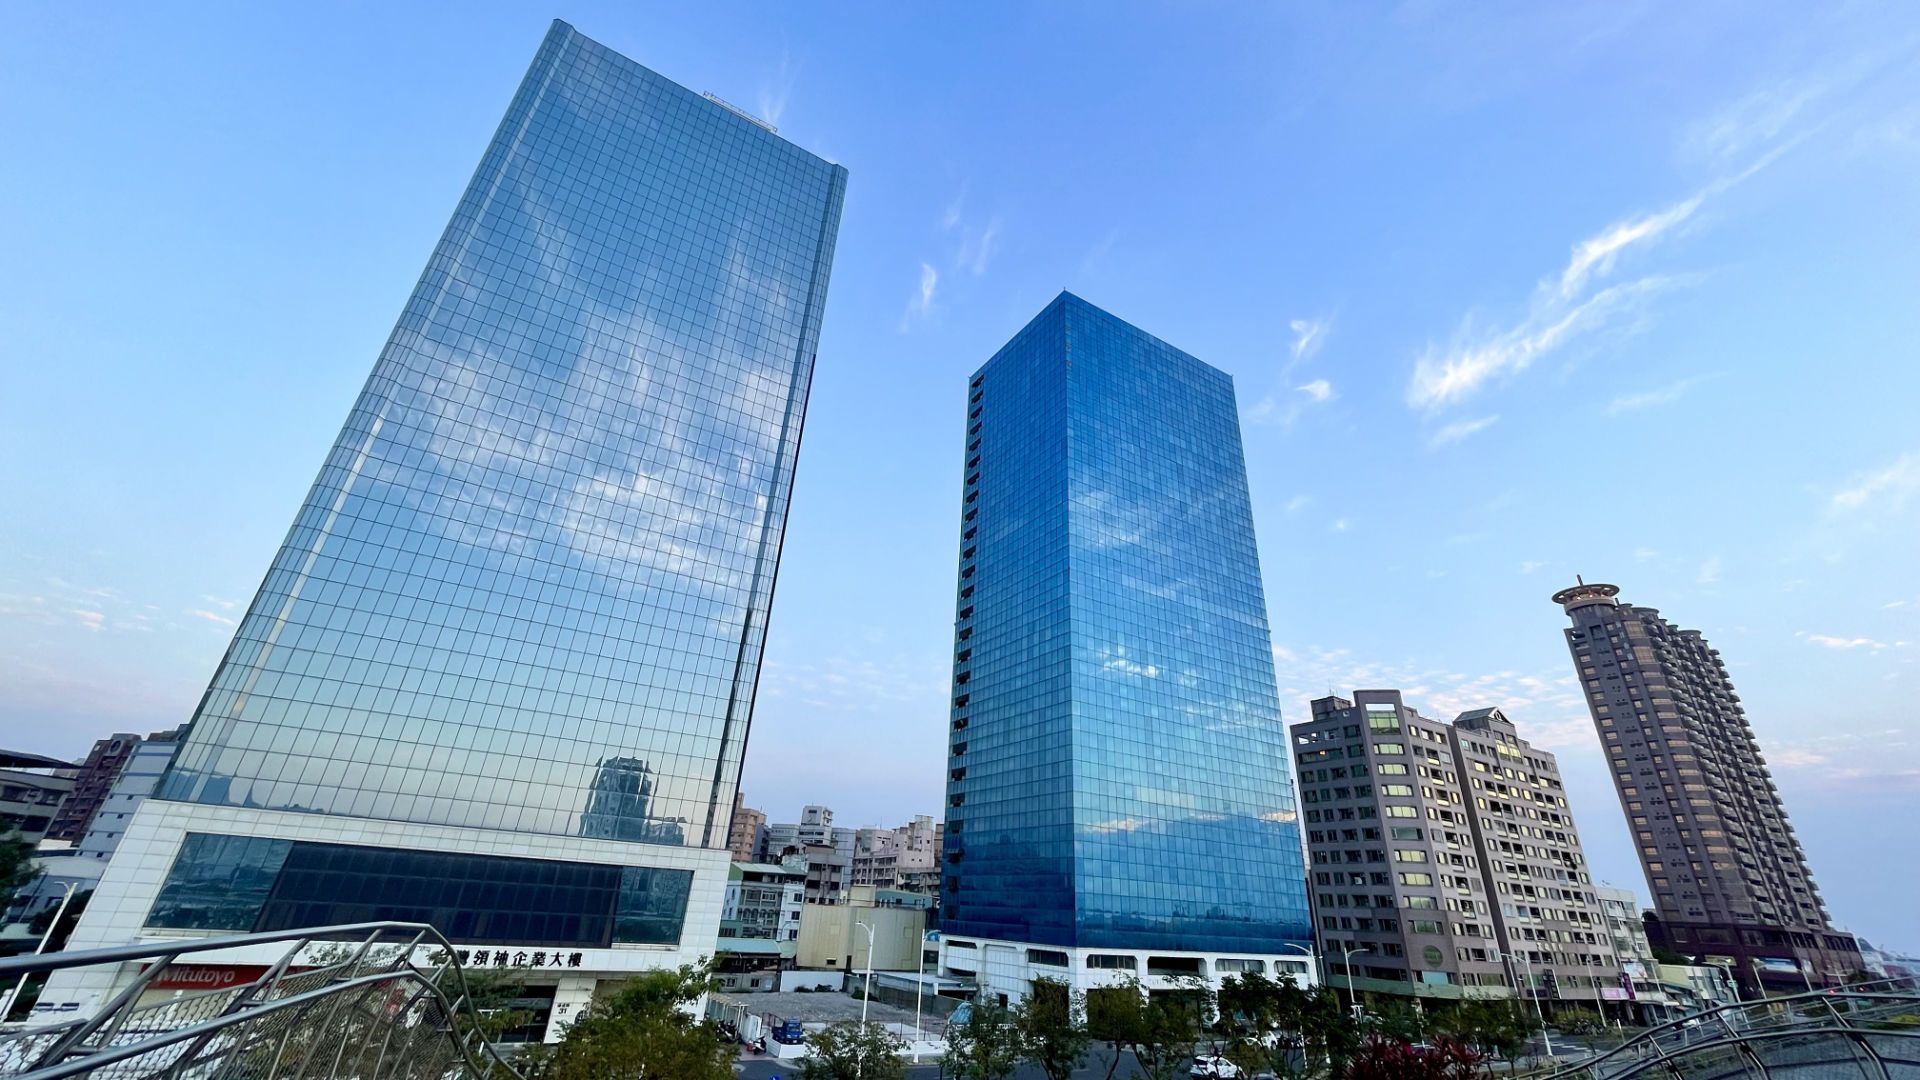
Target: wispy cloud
{"type": "Point", "coordinates": [1308, 335]}
{"type": "Point", "coordinates": [1288, 401]}
{"type": "Point", "coordinates": [1709, 571]}
{"type": "Point", "coordinates": [1888, 488]}
{"type": "Point", "coordinates": [1462, 429]}
{"type": "Point", "coordinates": [1571, 306]}
{"type": "Point", "coordinates": [211, 617]}
{"type": "Point", "coordinates": [1761, 116]}
{"type": "Point", "coordinates": [1665, 395]}
{"type": "Point", "coordinates": [922, 302]}
{"type": "Point", "coordinates": [92, 620]}
{"type": "Point", "coordinates": [1829, 641]}
{"type": "Point", "coordinates": [1447, 375]}
{"type": "Point", "coordinates": [1645, 554]}
{"type": "Point", "coordinates": [1530, 566]}
{"type": "Point", "coordinates": [1340, 525]}
{"type": "Point", "coordinates": [1298, 503]}
{"type": "Point", "coordinates": [775, 93]}
{"type": "Point", "coordinates": [977, 247]}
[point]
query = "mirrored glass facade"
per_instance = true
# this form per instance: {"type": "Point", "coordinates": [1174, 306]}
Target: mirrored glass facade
{"type": "Point", "coordinates": [530, 587]}
{"type": "Point", "coordinates": [1118, 774]}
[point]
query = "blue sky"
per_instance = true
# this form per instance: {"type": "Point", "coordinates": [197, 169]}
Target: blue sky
{"type": "Point", "coordinates": [1509, 292]}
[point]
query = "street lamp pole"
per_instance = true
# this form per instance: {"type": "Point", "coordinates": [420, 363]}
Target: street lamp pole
{"type": "Point", "coordinates": [14, 994]}
{"type": "Point", "coordinates": [866, 994]}
{"type": "Point", "coordinates": [1346, 962]}
{"type": "Point", "coordinates": [1526, 971]}
{"type": "Point", "coordinates": [919, 984]}
{"type": "Point", "coordinates": [1312, 957]}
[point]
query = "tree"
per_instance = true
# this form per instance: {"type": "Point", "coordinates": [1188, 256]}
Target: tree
{"type": "Point", "coordinates": [642, 1032]}
{"type": "Point", "coordinates": [984, 1047]}
{"type": "Point", "coordinates": [852, 1050]}
{"type": "Point", "coordinates": [1159, 1029]}
{"type": "Point", "coordinates": [1051, 1033]}
{"type": "Point", "coordinates": [16, 866]}
{"type": "Point", "coordinates": [1580, 1021]}
{"type": "Point", "coordinates": [1382, 1058]}
{"type": "Point", "coordinates": [1493, 1029]}
{"type": "Point", "coordinates": [1397, 1020]}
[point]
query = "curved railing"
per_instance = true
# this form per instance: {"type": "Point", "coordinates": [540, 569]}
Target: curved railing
{"type": "Point", "coordinates": [341, 1001]}
{"type": "Point", "coordinates": [1869, 1031]}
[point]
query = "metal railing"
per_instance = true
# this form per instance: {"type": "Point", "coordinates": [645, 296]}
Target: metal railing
{"type": "Point", "coordinates": [370, 1001]}
{"type": "Point", "coordinates": [1869, 1031]}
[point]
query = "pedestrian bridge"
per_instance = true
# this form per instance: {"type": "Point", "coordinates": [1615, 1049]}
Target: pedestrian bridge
{"type": "Point", "coordinates": [372, 1001]}
{"type": "Point", "coordinates": [1866, 1032]}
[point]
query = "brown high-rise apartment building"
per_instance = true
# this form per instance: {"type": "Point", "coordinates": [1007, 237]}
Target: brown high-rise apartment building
{"type": "Point", "coordinates": [1730, 882]}
{"type": "Point", "coordinates": [744, 833]}
{"type": "Point", "coordinates": [90, 786]}
{"type": "Point", "coordinates": [1444, 862]}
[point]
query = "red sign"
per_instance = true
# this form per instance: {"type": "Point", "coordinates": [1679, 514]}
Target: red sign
{"type": "Point", "coordinates": [209, 976]}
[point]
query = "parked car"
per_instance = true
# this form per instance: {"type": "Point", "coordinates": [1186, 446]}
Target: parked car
{"type": "Point", "coordinates": [1214, 1066]}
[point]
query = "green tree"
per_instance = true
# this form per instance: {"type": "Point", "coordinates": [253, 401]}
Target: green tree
{"type": "Point", "coordinates": [1052, 1035]}
{"type": "Point", "coordinates": [16, 866]}
{"type": "Point", "coordinates": [986, 1046]}
{"type": "Point", "coordinates": [1396, 1019]}
{"type": "Point", "coordinates": [851, 1050]}
{"type": "Point", "coordinates": [1491, 1028]}
{"type": "Point", "coordinates": [1579, 1021]}
{"type": "Point", "coordinates": [1160, 1030]}
{"type": "Point", "coordinates": [642, 1032]}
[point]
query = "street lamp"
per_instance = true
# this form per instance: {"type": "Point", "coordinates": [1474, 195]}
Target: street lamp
{"type": "Point", "coordinates": [866, 995]}
{"type": "Point", "coordinates": [14, 994]}
{"type": "Point", "coordinates": [1346, 962]}
{"type": "Point", "coordinates": [1312, 957]}
{"type": "Point", "coordinates": [919, 983]}
{"type": "Point", "coordinates": [1526, 972]}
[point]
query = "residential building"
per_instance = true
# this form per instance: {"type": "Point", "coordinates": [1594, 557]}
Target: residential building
{"type": "Point", "coordinates": [1645, 999]}
{"type": "Point", "coordinates": [1445, 861]}
{"type": "Point", "coordinates": [1695, 987]}
{"type": "Point", "coordinates": [1730, 882]}
{"type": "Point", "coordinates": [500, 675]}
{"type": "Point", "coordinates": [1118, 796]}
{"type": "Point", "coordinates": [91, 782]}
{"type": "Point", "coordinates": [136, 784]}
{"type": "Point", "coordinates": [904, 858]}
{"type": "Point", "coordinates": [826, 872]}
{"type": "Point", "coordinates": [746, 837]}
{"type": "Point", "coordinates": [32, 787]}
{"type": "Point", "coordinates": [759, 926]}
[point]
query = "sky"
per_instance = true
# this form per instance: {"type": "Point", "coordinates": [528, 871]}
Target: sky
{"type": "Point", "coordinates": [1508, 292]}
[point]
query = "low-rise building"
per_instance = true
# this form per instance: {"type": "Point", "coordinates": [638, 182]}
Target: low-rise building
{"type": "Point", "coordinates": [832, 936]}
{"type": "Point", "coordinates": [32, 787]}
{"type": "Point", "coordinates": [1642, 999]}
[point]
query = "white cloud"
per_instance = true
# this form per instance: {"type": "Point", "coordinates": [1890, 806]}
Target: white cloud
{"type": "Point", "coordinates": [1831, 642]}
{"type": "Point", "coordinates": [1795, 758]}
{"type": "Point", "coordinates": [1319, 390]}
{"type": "Point", "coordinates": [211, 617]}
{"type": "Point", "coordinates": [1449, 375]}
{"type": "Point", "coordinates": [977, 248]}
{"type": "Point", "coordinates": [1645, 554]}
{"type": "Point", "coordinates": [1340, 525]}
{"type": "Point", "coordinates": [1665, 395]}
{"type": "Point", "coordinates": [922, 301]}
{"type": "Point", "coordinates": [1890, 487]}
{"type": "Point", "coordinates": [1298, 503]}
{"type": "Point", "coordinates": [1308, 336]}
{"type": "Point", "coordinates": [92, 620]}
{"type": "Point", "coordinates": [1530, 566]}
{"type": "Point", "coordinates": [1461, 429]}
{"type": "Point", "coordinates": [1757, 118]}
{"type": "Point", "coordinates": [1597, 253]}
{"type": "Point", "coordinates": [774, 95]}
{"type": "Point", "coordinates": [1709, 571]}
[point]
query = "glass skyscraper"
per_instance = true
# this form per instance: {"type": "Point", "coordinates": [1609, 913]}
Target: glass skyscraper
{"type": "Point", "coordinates": [1118, 771]}
{"type": "Point", "coordinates": [518, 621]}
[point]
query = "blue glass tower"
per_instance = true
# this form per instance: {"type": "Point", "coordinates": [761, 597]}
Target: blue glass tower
{"type": "Point", "coordinates": [503, 665]}
{"type": "Point", "coordinates": [1118, 773]}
